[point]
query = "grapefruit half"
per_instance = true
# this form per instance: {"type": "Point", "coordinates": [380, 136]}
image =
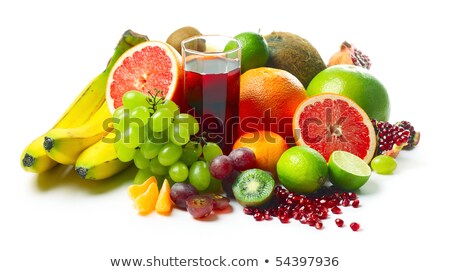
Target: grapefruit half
{"type": "Point", "coordinates": [330, 122]}
{"type": "Point", "coordinates": [148, 67]}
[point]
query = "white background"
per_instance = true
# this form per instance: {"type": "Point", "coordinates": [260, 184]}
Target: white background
{"type": "Point", "coordinates": [50, 50]}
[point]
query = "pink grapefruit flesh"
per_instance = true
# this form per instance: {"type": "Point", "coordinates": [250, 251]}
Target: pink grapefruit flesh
{"type": "Point", "coordinates": [329, 122]}
{"type": "Point", "coordinates": [148, 67]}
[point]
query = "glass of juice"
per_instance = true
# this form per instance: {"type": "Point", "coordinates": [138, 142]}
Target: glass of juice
{"type": "Point", "coordinates": [211, 66]}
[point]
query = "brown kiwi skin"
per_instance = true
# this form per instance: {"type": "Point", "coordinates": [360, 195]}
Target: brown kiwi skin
{"type": "Point", "coordinates": [181, 34]}
{"type": "Point", "coordinates": [294, 54]}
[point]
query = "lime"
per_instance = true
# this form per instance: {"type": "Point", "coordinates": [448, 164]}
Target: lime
{"type": "Point", "coordinates": [347, 171]}
{"type": "Point", "coordinates": [302, 169]}
{"type": "Point", "coordinates": [254, 51]}
{"type": "Point", "coordinates": [356, 83]}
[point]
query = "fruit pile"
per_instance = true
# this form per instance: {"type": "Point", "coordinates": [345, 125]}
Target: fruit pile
{"type": "Point", "coordinates": [309, 135]}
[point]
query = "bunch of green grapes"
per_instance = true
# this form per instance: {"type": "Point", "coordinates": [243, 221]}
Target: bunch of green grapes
{"type": "Point", "coordinates": [160, 140]}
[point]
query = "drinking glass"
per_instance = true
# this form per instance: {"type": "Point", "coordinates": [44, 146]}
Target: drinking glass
{"type": "Point", "coordinates": [211, 66]}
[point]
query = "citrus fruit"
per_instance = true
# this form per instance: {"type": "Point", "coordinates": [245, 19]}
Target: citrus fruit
{"type": "Point", "coordinates": [302, 169]}
{"type": "Point", "coordinates": [267, 146]}
{"type": "Point", "coordinates": [268, 99]}
{"type": "Point", "coordinates": [254, 50]}
{"type": "Point", "coordinates": [348, 171]}
{"type": "Point", "coordinates": [164, 203]}
{"type": "Point", "coordinates": [330, 122]}
{"type": "Point", "coordinates": [152, 67]}
{"type": "Point", "coordinates": [357, 84]}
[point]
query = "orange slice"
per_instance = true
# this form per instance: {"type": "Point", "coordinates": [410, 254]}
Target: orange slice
{"type": "Point", "coordinates": [164, 203]}
{"type": "Point", "coordinates": [136, 190]}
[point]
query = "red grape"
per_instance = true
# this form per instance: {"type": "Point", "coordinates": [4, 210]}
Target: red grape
{"type": "Point", "coordinates": [220, 202]}
{"type": "Point", "coordinates": [243, 159]}
{"type": "Point", "coordinates": [199, 205]}
{"type": "Point", "coordinates": [180, 192]}
{"type": "Point", "coordinates": [221, 167]}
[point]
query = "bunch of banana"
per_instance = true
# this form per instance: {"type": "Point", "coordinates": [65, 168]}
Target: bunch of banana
{"type": "Point", "coordinates": [78, 136]}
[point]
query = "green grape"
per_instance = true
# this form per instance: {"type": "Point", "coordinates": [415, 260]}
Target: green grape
{"type": "Point", "coordinates": [189, 120]}
{"type": "Point", "coordinates": [140, 115]}
{"type": "Point", "coordinates": [140, 161]}
{"type": "Point", "coordinates": [383, 164]}
{"type": "Point", "coordinates": [119, 114]}
{"type": "Point", "coordinates": [179, 134]}
{"type": "Point", "coordinates": [132, 137]}
{"type": "Point", "coordinates": [161, 120]}
{"type": "Point", "coordinates": [133, 99]}
{"type": "Point", "coordinates": [157, 168]}
{"type": "Point", "coordinates": [169, 104]}
{"type": "Point", "coordinates": [124, 153]}
{"type": "Point", "coordinates": [215, 187]}
{"type": "Point", "coordinates": [196, 146]}
{"type": "Point", "coordinates": [178, 172]}
{"type": "Point", "coordinates": [169, 154]}
{"type": "Point", "coordinates": [142, 175]}
{"type": "Point", "coordinates": [161, 138]}
{"type": "Point", "coordinates": [189, 156]}
{"type": "Point", "coordinates": [199, 175]}
{"type": "Point", "coordinates": [150, 149]}
{"type": "Point", "coordinates": [211, 150]}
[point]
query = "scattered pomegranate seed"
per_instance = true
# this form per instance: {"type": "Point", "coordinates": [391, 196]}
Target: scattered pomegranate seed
{"type": "Point", "coordinates": [339, 222]}
{"type": "Point", "coordinates": [319, 225]}
{"type": "Point", "coordinates": [310, 209]}
{"type": "Point", "coordinates": [336, 210]}
{"type": "Point", "coordinates": [284, 219]}
{"type": "Point", "coordinates": [346, 202]}
{"type": "Point", "coordinates": [354, 226]}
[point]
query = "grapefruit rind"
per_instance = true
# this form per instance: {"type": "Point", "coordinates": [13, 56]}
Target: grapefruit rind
{"type": "Point", "coordinates": [129, 55]}
{"type": "Point", "coordinates": [359, 137]}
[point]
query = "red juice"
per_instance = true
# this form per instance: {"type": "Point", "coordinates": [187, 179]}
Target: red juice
{"type": "Point", "coordinates": [211, 89]}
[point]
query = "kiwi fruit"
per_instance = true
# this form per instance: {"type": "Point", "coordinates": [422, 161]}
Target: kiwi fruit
{"type": "Point", "coordinates": [290, 52]}
{"type": "Point", "coordinates": [181, 34]}
{"type": "Point", "coordinates": [253, 187]}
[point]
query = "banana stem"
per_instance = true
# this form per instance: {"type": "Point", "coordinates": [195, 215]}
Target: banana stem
{"type": "Point", "coordinates": [128, 40]}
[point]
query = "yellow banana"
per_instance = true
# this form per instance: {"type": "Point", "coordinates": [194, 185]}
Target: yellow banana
{"type": "Point", "coordinates": [34, 158]}
{"type": "Point", "coordinates": [100, 161]}
{"type": "Point", "coordinates": [64, 145]}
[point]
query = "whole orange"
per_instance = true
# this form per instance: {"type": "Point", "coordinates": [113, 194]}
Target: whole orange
{"type": "Point", "coordinates": [268, 99]}
{"type": "Point", "coordinates": [267, 146]}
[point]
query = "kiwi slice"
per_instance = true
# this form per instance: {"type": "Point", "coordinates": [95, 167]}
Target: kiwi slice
{"type": "Point", "coordinates": [253, 187]}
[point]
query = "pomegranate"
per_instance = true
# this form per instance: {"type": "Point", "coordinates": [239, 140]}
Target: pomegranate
{"type": "Point", "coordinates": [350, 55]}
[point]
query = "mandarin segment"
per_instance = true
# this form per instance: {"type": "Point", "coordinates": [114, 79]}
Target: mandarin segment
{"type": "Point", "coordinates": [164, 203]}
{"type": "Point", "coordinates": [136, 190]}
{"type": "Point", "coordinates": [146, 202]}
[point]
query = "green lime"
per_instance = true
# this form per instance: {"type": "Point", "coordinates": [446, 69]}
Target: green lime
{"type": "Point", "coordinates": [302, 169]}
{"type": "Point", "coordinates": [356, 83]}
{"type": "Point", "coordinates": [348, 171]}
{"type": "Point", "coordinates": [254, 52]}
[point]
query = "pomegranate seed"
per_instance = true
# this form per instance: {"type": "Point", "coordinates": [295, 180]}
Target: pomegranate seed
{"type": "Point", "coordinates": [352, 196]}
{"type": "Point", "coordinates": [355, 203]}
{"type": "Point", "coordinates": [248, 211]}
{"type": "Point", "coordinates": [258, 216]}
{"type": "Point", "coordinates": [319, 225]}
{"type": "Point", "coordinates": [284, 219]}
{"type": "Point", "coordinates": [354, 226]}
{"type": "Point", "coordinates": [339, 222]}
{"type": "Point", "coordinates": [346, 202]}
{"type": "Point", "coordinates": [336, 210]}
